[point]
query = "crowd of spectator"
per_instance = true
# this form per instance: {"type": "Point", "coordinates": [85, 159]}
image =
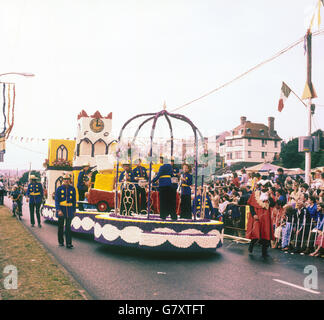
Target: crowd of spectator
{"type": "Point", "coordinates": [297, 214]}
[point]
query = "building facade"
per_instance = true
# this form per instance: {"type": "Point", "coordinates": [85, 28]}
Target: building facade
{"type": "Point", "coordinates": [251, 142]}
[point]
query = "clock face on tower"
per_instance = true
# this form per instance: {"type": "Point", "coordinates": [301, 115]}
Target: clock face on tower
{"type": "Point", "coordinates": [96, 125]}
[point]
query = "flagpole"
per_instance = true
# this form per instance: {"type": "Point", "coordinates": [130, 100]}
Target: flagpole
{"type": "Point", "coordinates": [298, 97]}
{"type": "Point", "coordinates": [308, 159]}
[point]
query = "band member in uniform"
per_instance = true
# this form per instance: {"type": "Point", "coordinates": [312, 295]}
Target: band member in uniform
{"type": "Point", "coordinates": [176, 171]}
{"type": "Point", "coordinates": [186, 182]}
{"type": "Point", "coordinates": [65, 203]}
{"type": "Point", "coordinates": [199, 205]}
{"type": "Point", "coordinates": [126, 176]}
{"type": "Point", "coordinates": [166, 192]}
{"type": "Point", "coordinates": [175, 179]}
{"type": "Point", "coordinates": [81, 185]}
{"type": "Point", "coordinates": [16, 197]}
{"type": "Point", "coordinates": [140, 174]}
{"type": "Point", "coordinates": [93, 178]}
{"type": "Point", "coordinates": [34, 197]}
{"type": "Point", "coordinates": [260, 224]}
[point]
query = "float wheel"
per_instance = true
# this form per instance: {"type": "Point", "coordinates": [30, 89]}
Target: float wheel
{"type": "Point", "coordinates": [102, 206]}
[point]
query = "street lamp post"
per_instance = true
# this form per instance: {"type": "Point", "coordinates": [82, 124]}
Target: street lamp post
{"type": "Point", "coordinates": [25, 74]}
{"type": "Point", "coordinates": [309, 112]}
{"type": "Point", "coordinates": [2, 134]}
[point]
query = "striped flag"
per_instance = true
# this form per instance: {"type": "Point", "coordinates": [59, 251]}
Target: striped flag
{"type": "Point", "coordinates": [285, 92]}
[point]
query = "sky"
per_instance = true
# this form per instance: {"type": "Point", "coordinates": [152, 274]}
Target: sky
{"type": "Point", "coordinates": [129, 56]}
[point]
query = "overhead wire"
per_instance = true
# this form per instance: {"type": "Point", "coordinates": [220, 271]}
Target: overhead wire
{"type": "Point", "coordinates": [21, 147]}
{"type": "Point", "coordinates": [316, 33]}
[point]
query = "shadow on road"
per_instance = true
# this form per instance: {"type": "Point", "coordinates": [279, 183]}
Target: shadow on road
{"type": "Point", "coordinates": [147, 254]}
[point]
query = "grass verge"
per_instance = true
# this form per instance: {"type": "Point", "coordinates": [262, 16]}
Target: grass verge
{"type": "Point", "coordinates": [40, 276]}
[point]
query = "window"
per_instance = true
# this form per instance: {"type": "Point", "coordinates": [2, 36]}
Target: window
{"type": "Point", "coordinates": [262, 155]}
{"type": "Point", "coordinates": [229, 143]}
{"type": "Point", "coordinates": [99, 148]}
{"type": "Point", "coordinates": [85, 147]}
{"type": "Point", "coordinates": [58, 182]}
{"type": "Point", "coordinates": [61, 153]}
{"type": "Point", "coordinates": [262, 132]}
{"type": "Point", "coordinates": [276, 144]}
{"type": "Point", "coordinates": [238, 142]}
{"type": "Point", "coordinates": [249, 142]}
{"type": "Point", "coordinates": [229, 156]}
{"type": "Point", "coordinates": [238, 155]}
{"type": "Point", "coordinates": [248, 131]}
{"type": "Point", "coordinates": [249, 154]}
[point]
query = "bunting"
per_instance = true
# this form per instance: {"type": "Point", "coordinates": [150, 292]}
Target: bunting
{"type": "Point", "coordinates": [11, 122]}
{"type": "Point", "coordinates": [309, 92]}
{"type": "Point", "coordinates": [318, 12]}
{"type": "Point", "coordinates": [34, 139]}
{"type": "Point", "coordinates": [4, 109]}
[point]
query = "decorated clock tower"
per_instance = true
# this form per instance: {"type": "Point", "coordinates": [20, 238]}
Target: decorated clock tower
{"type": "Point", "coordinates": [93, 138]}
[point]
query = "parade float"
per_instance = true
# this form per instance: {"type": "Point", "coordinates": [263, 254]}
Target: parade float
{"type": "Point", "coordinates": [93, 146]}
{"type": "Point", "coordinates": [126, 227]}
{"type": "Point", "coordinates": [102, 215]}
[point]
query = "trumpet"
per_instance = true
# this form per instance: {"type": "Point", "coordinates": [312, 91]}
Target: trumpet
{"type": "Point", "coordinates": [180, 183]}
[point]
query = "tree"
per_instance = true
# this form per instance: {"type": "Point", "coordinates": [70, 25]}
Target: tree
{"type": "Point", "coordinates": [289, 154]}
{"type": "Point", "coordinates": [24, 178]}
{"type": "Point", "coordinates": [291, 158]}
{"type": "Point", "coordinates": [318, 157]}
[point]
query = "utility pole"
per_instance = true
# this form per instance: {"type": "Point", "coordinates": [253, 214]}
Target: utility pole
{"type": "Point", "coordinates": [309, 111]}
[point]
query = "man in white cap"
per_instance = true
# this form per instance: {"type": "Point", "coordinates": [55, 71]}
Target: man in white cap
{"type": "Point", "coordinates": [34, 197]}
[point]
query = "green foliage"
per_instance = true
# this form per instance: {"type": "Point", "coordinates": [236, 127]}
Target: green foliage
{"type": "Point", "coordinates": [24, 178]}
{"type": "Point", "coordinates": [291, 158]}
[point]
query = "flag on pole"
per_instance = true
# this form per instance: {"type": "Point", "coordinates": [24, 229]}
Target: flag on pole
{"type": "Point", "coordinates": [309, 92]}
{"type": "Point", "coordinates": [319, 13]}
{"type": "Point", "coordinates": [285, 92]}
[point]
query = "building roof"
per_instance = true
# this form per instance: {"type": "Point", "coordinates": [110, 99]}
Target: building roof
{"type": "Point", "coordinates": [234, 167]}
{"type": "Point", "coordinates": [221, 137]}
{"type": "Point", "coordinates": [255, 130]}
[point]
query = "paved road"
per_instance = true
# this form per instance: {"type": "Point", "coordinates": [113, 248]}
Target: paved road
{"type": "Point", "coordinates": [230, 273]}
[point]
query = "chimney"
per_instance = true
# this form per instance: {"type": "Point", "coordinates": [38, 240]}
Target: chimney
{"type": "Point", "coordinates": [271, 125]}
{"type": "Point", "coordinates": [243, 120]}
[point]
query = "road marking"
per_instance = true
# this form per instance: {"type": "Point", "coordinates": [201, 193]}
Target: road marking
{"type": "Point", "coordinates": [295, 286]}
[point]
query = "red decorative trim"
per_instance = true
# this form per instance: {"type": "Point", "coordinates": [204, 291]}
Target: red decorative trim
{"type": "Point", "coordinates": [97, 115]}
{"type": "Point", "coordinates": [109, 116]}
{"type": "Point", "coordinates": [82, 114]}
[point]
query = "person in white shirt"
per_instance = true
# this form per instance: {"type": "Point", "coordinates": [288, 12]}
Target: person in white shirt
{"type": "Point", "coordinates": [2, 191]}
